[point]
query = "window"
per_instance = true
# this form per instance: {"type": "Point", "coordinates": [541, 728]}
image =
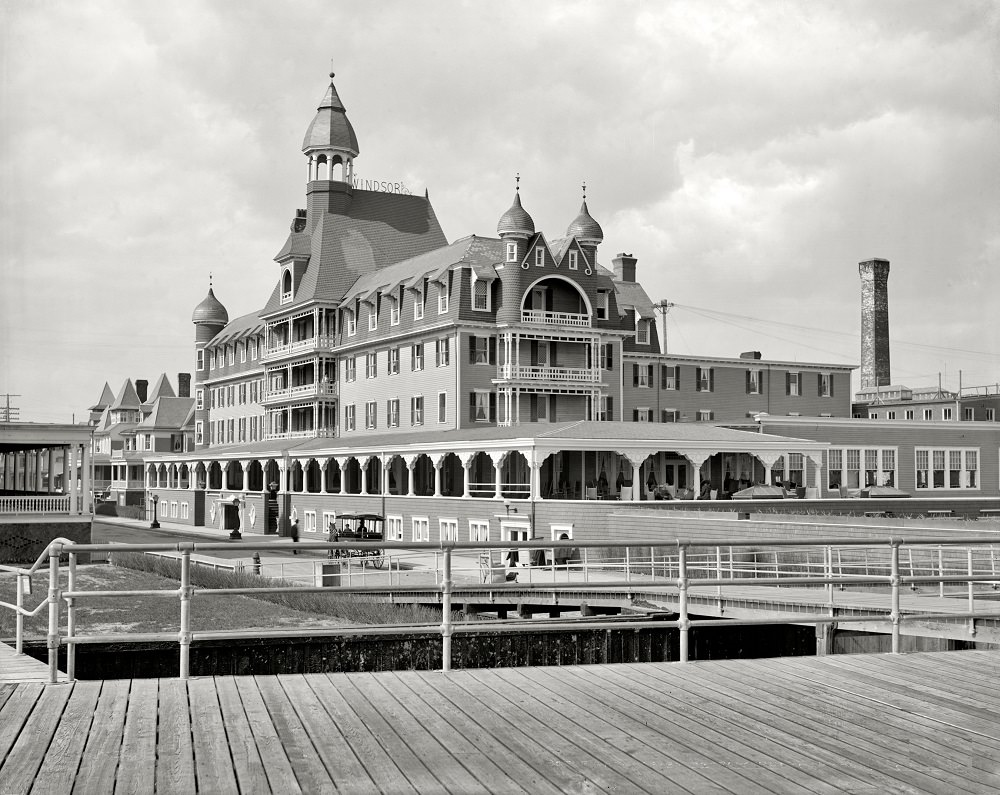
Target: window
{"type": "Point", "coordinates": [968, 414]}
{"type": "Point", "coordinates": [231, 431]}
{"type": "Point", "coordinates": [539, 257]}
{"type": "Point", "coordinates": [371, 362]}
{"type": "Point", "coordinates": [991, 415]}
{"type": "Point", "coordinates": [392, 413]}
{"type": "Point", "coordinates": [201, 359]}
{"type": "Point", "coordinates": [642, 332]}
{"type": "Point", "coordinates": [394, 311]}
{"type": "Point", "coordinates": [185, 511]}
{"type": "Point", "coordinates": [479, 531]}
{"type": "Point", "coordinates": [642, 415]}
{"type": "Point", "coordinates": [417, 356]}
{"type": "Point", "coordinates": [890, 415]}
{"type": "Point", "coordinates": [394, 361]}
{"type": "Point", "coordinates": [512, 252]}
{"type": "Point", "coordinates": [601, 306]}
{"type": "Point", "coordinates": [824, 385]}
{"type": "Point", "coordinates": [607, 353]}
{"type": "Point", "coordinates": [705, 415]}
{"type": "Point", "coordinates": [349, 417]}
{"type": "Point", "coordinates": [642, 375]}
{"type": "Point", "coordinates": [242, 433]}
{"type": "Point", "coordinates": [671, 415]}
{"type": "Point", "coordinates": [253, 348]}
{"type": "Point", "coordinates": [199, 432]}
{"type": "Point", "coordinates": [394, 528]}
{"type": "Point", "coordinates": [309, 524]}
{"type": "Point", "coordinates": [857, 468]}
{"type": "Point", "coordinates": [442, 352]}
{"type": "Point", "coordinates": [417, 410]}
{"type": "Point", "coordinates": [351, 322]}
{"type": "Point", "coordinates": [949, 468]}
{"type": "Point", "coordinates": [706, 379]}
{"type": "Point", "coordinates": [232, 353]}
{"type": "Point", "coordinates": [573, 260]}
{"type": "Point", "coordinates": [329, 520]}
{"type": "Point", "coordinates": [421, 529]}
{"type": "Point", "coordinates": [370, 415]}
{"type": "Point", "coordinates": [199, 399]}
{"type": "Point", "coordinates": [873, 415]}
{"type": "Point", "coordinates": [482, 406]}
{"type": "Point", "coordinates": [481, 295]}
{"type": "Point", "coordinates": [212, 356]}
{"type": "Point", "coordinates": [482, 350]}
{"type": "Point", "coordinates": [373, 316]}
{"type": "Point", "coordinates": [243, 351]}
{"type": "Point", "coordinates": [350, 368]}
{"type": "Point", "coordinates": [755, 381]}
{"type": "Point", "coordinates": [670, 377]}
{"type": "Point", "coordinates": [442, 298]}
{"type": "Point", "coordinates": [946, 413]}
{"type": "Point", "coordinates": [448, 529]}
{"type": "Point", "coordinates": [928, 414]}
{"type": "Point", "coordinates": [418, 305]}
{"type": "Point", "coordinates": [442, 406]}
{"type": "Point", "coordinates": [909, 414]}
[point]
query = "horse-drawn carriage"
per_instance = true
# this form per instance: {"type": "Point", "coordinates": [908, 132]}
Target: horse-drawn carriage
{"type": "Point", "coordinates": [361, 527]}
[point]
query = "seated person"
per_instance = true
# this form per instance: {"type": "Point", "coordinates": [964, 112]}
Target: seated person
{"type": "Point", "coordinates": [706, 490]}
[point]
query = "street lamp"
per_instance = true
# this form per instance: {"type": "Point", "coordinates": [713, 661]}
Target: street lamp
{"type": "Point", "coordinates": [155, 524]}
{"type": "Point", "coordinates": [236, 535]}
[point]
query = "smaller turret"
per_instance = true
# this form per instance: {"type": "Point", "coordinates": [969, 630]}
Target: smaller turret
{"type": "Point", "coordinates": [515, 227]}
{"type": "Point", "coordinates": [586, 230]}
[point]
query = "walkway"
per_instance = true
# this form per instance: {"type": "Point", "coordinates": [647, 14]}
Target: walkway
{"type": "Point", "coordinates": [16, 667]}
{"type": "Point", "coordinates": [915, 723]}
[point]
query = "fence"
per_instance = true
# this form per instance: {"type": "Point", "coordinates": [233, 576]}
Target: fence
{"type": "Point", "coordinates": [737, 564]}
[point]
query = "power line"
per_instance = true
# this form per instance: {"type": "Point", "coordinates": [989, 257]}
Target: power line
{"type": "Point", "coordinates": [9, 413]}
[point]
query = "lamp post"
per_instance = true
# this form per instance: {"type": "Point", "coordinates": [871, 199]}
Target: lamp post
{"type": "Point", "coordinates": [154, 524]}
{"type": "Point", "coordinates": [236, 535]}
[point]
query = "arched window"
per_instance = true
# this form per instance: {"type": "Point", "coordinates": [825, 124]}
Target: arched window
{"type": "Point", "coordinates": [286, 286]}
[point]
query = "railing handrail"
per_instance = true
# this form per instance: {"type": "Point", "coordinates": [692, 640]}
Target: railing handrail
{"type": "Point", "coordinates": [446, 587]}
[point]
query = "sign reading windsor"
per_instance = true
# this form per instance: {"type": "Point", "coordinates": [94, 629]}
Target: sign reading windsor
{"type": "Point", "coordinates": [380, 185]}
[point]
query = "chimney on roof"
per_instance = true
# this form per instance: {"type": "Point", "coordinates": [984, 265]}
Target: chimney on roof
{"type": "Point", "coordinates": [874, 323]}
{"type": "Point", "coordinates": [142, 389]}
{"type": "Point", "coordinates": [624, 265]}
{"type": "Point", "coordinates": [750, 355]}
{"type": "Point", "coordinates": [184, 385]}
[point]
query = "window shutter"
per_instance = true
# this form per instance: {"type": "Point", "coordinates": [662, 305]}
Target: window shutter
{"type": "Point", "coordinates": [413, 409]}
{"type": "Point", "coordinates": [649, 374]}
{"type": "Point", "coordinates": [553, 347]}
{"type": "Point", "coordinates": [748, 382]}
{"type": "Point", "coordinates": [697, 385]}
{"type": "Point", "coordinates": [819, 384]}
{"type": "Point", "coordinates": [711, 379]}
{"type": "Point", "coordinates": [472, 407]}
{"type": "Point", "coordinates": [590, 356]}
{"type": "Point", "coordinates": [493, 407]}
{"type": "Point", "coordinates": [472, 349]}
{"type": "Point", "coordinates": [831, 384]}
{"type": "Point", "coordinates": [437, 353]}
{"type": "Point", "coordinates": [533, 407]}
{"type": "Point", "coordinates": [663, 376]}
{"type": "Point", "coordinates": [493, 350]}
{"type": "Point", "coordinates": [635, 415]}
{"type": "Point", "coordinates": [608, 356]}
{"type": "Point", "coordinates": [635, 375]}
{"type": "Point", "coordinates": [611, 414]}
{"type": "Point", "coordinates": [788, 383]}
{"type": "Point", "coordinates": [534, 353]}
{"type": "Point", "coordinates": [677, 377]}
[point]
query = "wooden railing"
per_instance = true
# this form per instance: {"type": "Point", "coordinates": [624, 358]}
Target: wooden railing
{"type": "Point", "coordinates": [34, 504]}
{"type": "Point", "coordinates": [539, 317]}
{"type": "Point", "coordinates": [578, 375]}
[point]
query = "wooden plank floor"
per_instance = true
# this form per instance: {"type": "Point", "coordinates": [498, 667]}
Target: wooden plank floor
{"type": "Point", "coordinates": [927, 722]}
{"type": "Point", "coordinates": [16, 667]}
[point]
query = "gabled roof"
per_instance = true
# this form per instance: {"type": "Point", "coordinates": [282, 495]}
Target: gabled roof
{"type": "Point", "coordinates": [377, 230]}
{"type": "Point", "coordinates": [631, 295]}
{"type": "Point", "coordinates": [106, 399]}
{"type": "Point", "coordinates": [160, 389]}
{"type": "Point", "coordinates": [169, 413]}
{"type": "Point", "coordinates": [479, 253]}
{"type": "Point", "coordinates": [244, 326]}
{"type": "Point", "coordinates": [127, 398]}
{"type": "Point", "coordinates": [298, 245]}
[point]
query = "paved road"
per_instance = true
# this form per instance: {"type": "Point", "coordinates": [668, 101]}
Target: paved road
{"type": "Point", "coordinates": [135, 533]}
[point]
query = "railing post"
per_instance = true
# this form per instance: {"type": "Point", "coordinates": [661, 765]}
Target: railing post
{"type": "Point", "coordinates": [718, 576]}
{"type": "Point", "coordinates": [628, 577]}
{"type": "Point", "coordinates": [71, 620]}
{"type": "Point", "coordinates": [940, 571]}
{"type": "Point", "coordinates": [185, 634]}
{"type": "Point", "coordinates": [586, 566]}
{"type": "Point", "coordinates": [972, 600]}
{"type": "Point", "coordinates": [828, 566]}
{"type": "Point", "coordinates": [19, 621]}
{"type": "Point", "coordinates": [446, 612]}
{"type": "Point", "coordinates": [684, 625]}
{"type": "Point", "coordinates": [54, 597]}
{"type": "Point", "coordinates": [894, 583]}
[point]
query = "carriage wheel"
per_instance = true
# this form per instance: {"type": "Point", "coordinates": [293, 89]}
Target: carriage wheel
{"type": "Point", "coordinates": [378, 559]}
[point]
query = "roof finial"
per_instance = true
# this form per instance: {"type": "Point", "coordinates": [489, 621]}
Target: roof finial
{"type": "Point", "coordinates": [210, 280]}
{"type": "Point", "coordinates": [517, 183]}
{"type": "Point", "coordinates": [585, 190]}
{"type": "Point", "coordinates": [331, 69]}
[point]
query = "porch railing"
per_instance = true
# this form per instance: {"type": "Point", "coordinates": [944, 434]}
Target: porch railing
{"type": "Point", "coordinates": [539, 317]}
{"type": "Point", "coordinates": [580, 375]}
{"type": "Point", "coordinates": [35, 504]}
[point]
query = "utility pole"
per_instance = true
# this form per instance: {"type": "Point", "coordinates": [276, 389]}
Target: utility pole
{"type": "Point", "coordinates": [663, 307]}
{"type": "Point", "coordinates": [9, 413]}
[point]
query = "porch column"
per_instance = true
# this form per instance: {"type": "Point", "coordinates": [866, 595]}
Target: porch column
{"type": "Point", "coordinates": [38, 468]}
{"type": "Point", "coordinates": [437, 474]}
{"type": "Point", "coordinates": [467, 469]}
{"type": "Point", "coordinates": [245, 463]}
{"type": "Point", "coordinates": [386, 467]}
{"type": "Point", "coordinates": [697, 459]}
{"type": "Point", "coordinates": [637, 485]}
{"type": "Point", "coordinates": [74, 509]}
{"type": "Point", "coordinates": [84, 477]}
{"type": "Point", "coordinates": [411, 465]}
{"type": "Point", "coordinates": [497, 458]}
{"type": "Point", "coordinates": [52, 471]}
{"type": "Point", "coordinates": [535, 492]}
{"type": "Point", "coordinates": [342, 464]}
{"type": "Point", "coordinates": [817, 460]}
{"type": "Point", "coordinates": [363, 467]}
{"type": "Point", "coordinates": [322, 476]}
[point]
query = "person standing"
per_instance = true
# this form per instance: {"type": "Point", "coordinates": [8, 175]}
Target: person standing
{"type": "Point", "coordinates": [295, 534]}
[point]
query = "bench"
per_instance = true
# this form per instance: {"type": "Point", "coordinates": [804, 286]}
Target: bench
{"type": "Point", "coordinates": [939, 513]}
{"type": "Point", "coordinates": [985, 513]}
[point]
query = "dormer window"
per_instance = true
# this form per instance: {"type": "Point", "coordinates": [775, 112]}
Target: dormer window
{"type": "Point", "coordinates": [512, 252]}
{"type": "Point", "coordinates": [351, 322]}
{"type": "Point", "coordinates": [442, 298]}
{"type": "Point", "coordinates": [372, 317]}
{"type": "Point", "coordinates": [642, 332]}
{"type": "Point", "coordinates": [286, 286]}
{"type": "Point", "coordinates": [602, 304]}
{"type": "Point", "coordinates": [539, 257]}
{"type": "Point", "coordinates": [481, 295]}
{"type": "Point", "coordinates": [418, 304]}
{"type": "Point", "coordinates": [394, 311]}
{"type": "Point", "coordinates": [573, 265]}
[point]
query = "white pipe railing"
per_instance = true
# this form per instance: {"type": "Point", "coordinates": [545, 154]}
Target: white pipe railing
{"type": "Point", "coordinates": [628, 574]}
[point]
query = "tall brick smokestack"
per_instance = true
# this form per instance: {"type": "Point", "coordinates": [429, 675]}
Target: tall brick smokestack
{"type": "Point", "coordinates": [874, 323]}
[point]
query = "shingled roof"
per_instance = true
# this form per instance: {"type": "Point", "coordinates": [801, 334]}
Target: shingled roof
{"type": "Point", "coordinates": [169, 413]}
{"type": "Point", "coordinates": [106, 399]}
{"type": "Point", "coordinates": [378, 230]}
{"type": "Point", "coordinates": [127, 398]}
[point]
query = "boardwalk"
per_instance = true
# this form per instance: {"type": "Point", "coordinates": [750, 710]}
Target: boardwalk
{"type": "Point", "coordinates": [16, 667]}
{"type": "Point", "coordinates": [913, 723]}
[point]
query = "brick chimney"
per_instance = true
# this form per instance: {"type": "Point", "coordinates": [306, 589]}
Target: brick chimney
{"type": "Point", "coordinates": [624, 265]}
{"type": "Point", "coordinates": [142, 389]}
{"type": "Point", "coordinates": [874, 323]}
{"type": "Point", "coordinates": [184, 385]}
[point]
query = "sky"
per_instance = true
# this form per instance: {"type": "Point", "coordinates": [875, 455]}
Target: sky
{"type": "Point", "coordinates": [748, 154]}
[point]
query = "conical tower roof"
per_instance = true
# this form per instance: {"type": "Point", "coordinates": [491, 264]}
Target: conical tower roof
{"type": "Point", "coordinates": [210, 310]}
{"type": "Point", "coordinates": [106, 399]}
{"type": "Point", "coordinates": [330, 127]}
{"type": "Point", "coordinates": [127, 398]}
{"type": "Point", "coordinates": [516, 220]}
{"type": "Point", "coordinates": [584, 227]}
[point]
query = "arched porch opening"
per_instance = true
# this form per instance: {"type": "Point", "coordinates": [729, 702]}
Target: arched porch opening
{"type": "Point", "coordinates": [255, 476]}
{"type": "Point", "coordinates": [515, 476]}
{"type": "Point", "coordinates": [234, 476]}
{"type": "Point", "coordinates": [295, 476]}
{"type": "Point", "coordinates": [398, 476]}
{"type": "Point", "coordinates": [452, 476]}
{"type": "Point", "coordinates": [313, 477]}
{"type": "Point", "coordinates": [482, 476]}
{"type": "Point", "coordinates": [331, 476]}
{"type": "Point", "coordinates": [184, 476]}
{"type": "Point", "coordinates": [352, 476]}
{"type": "Point", "coordinates": [373, 475]}
{"type": "Point", "coordinates": [423, 476]}
{"type": "Point", "coordinates": [561, 476]}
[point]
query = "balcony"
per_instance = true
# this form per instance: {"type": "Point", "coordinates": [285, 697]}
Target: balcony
{"type": "Point", "coordinates": [539, 318]}
{"type": "Point", "coordinates": [322, 344]}
{"type": "Point", "coordinates": [34, 504]}
{"type": "Point", "coordinates": [544, 374]}
{"type": "Point", "coordinates": [322, 433]}
{"type": "Point", "coordinates": [303, 391]}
